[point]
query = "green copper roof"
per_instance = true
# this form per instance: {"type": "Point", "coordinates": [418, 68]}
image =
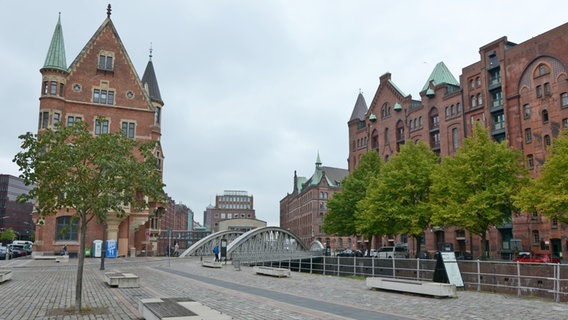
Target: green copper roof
{"type": "Point", "coordinates": [440, 74]}
{"type": "Point", "coordinates": [56, 54]}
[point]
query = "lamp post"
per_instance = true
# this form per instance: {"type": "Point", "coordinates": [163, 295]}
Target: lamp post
{"type": "Point", "coordinates": [103, 246]}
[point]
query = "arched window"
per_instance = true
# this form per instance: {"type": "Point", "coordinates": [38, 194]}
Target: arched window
{"type": "Point", "coordinates": [544, 116]}
{"type": "Point", "coordinates": [479, 99]}
{"type": "Point", "coordinates": [473, 101]}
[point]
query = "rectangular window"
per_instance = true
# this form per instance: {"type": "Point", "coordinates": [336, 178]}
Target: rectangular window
{"type": "Point", "coordinates": [96, 95]}
{"type": "Point", "coordinates": [53, 88]}
{"type": "Point", "coordinates": [71, 120]}
{"type": "Point", "coordinates": [128, 129]}
{"type": "Point", "coordinates": [536, 237]}
{"type": "Point", "coordinates": [530, 161]}
{"type": "Point", "coordinates": [539, 91]}
{"type": "Point", "coordinates": [67, 229]}
{"type": "Point", "coordinates": [528, 135]}
{"type": "Point", "coordinates": [43, 119]}
{"type": "Point", "coordinates": [455, 138]}
{"type": "Point", "coordinates": [61, 89]}
{"type": "Point", "coordinates": [105, 63]}
{"type": "Point", "coordinates": [45, 87]}
{"type": "Point", "coordinates": [499, 121]}
{"type": "Point", "coordinates": [101, 127]}
{"type": "Point", "coordinates": [527, 109]}
{"type": "Point", "coordinates": [547, 89]}
{"type": "Point", "coordinates": [564, 99]}
{"type": "Point", "coordinates": [110, 99]}
{"type": "Point", "coordinates": [56, 118]}
{"type": "Point", "coordinates": [103, 97]}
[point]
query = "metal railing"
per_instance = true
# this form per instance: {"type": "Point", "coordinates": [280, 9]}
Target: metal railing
{"type": "Point", "coordinates": [517, 278]}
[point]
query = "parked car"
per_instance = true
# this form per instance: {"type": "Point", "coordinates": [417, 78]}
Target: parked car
{"type": "Point", "coordinates": [3, 251]}
{"type": "Point", "coordinates": [17, 250]}
{"type": "Point", "coordinates": [389, 252]}
{"type": "Point", "coordinates": [536, 258]}
{"type": "Point", "coordinates": [346, 253]}
{"type": "Point", "coordinates": [463, 255]}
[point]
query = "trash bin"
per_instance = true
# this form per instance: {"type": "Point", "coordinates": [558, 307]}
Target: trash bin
{"type": "Point", "coordinates": [87, 252]}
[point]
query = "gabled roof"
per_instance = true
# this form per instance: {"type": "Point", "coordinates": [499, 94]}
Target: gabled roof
{"type": "Point", "coordinates": [55, 58]}
{"type": "Point", "coordinates": [149, 80]}
{"type": "Point", "coordinates": [440, 74]}
{"type": "Point", "coordinates": [397, 89]}
{"type": "Point", "coordinates": [360, 108]}
{"type": "Point", "coordinates": [332, 176]}
{"type": "Point", "coordinates": [107, 24]}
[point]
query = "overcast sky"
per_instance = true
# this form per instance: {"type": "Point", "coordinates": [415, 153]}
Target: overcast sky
{"type": "Point", "coordinates": [254, 89]}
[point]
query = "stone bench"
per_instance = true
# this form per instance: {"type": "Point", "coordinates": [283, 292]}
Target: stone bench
{"type": "Point", "coordinates": [122, 280]}
{"type": "Point", "coordinates": [270, 271]}
{"type": "Point", "coordinates": [212, 264]}
{"type": "Point", "coordinates": [5, 275]}
{"type": "Point", "coordinates": [418, 287]}
{"type": "Point", "coordinates": [178, 309]}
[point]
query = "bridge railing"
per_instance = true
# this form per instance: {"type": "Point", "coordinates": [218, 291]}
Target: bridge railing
{"type": "Point", "coordinates": [518, 278]}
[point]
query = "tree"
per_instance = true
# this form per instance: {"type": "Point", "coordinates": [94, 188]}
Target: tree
{"type": "Point", "coordinates": [7, 235]}
{"type": "Point", "coordinates": [87, 175]}
{"type": "Point", "coordinates": [340, 218]}
{"type": "Point", "coordinates": [396, 201]}
{"type": "Point", "coordinates": [474, 189]}
{"type": "Point", "coordinates": [548, 193]}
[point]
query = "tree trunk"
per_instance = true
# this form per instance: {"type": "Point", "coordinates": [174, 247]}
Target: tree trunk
{"type": "Point", "coordinates": [483, 246]}
{"type": "Point", "coordinates": [80, 263]}
{"type": "Point", "coordinates": [417, 241]}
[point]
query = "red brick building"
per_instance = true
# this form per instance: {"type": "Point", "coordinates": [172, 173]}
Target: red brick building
{"type": "Point", "coordinates": [518, 91]}
{"type": "Point", "coordinates": [302, 211]}
{"type": "Point", "coordinates": [101, 81]}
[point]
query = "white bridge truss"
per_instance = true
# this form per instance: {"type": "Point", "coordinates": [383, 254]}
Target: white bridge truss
{"type": "Point", "coordinates": [204, 247]}
{"type": "Point", "coordinates": [260, 244]}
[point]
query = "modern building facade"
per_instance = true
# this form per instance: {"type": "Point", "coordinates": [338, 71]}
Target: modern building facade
{"type": "Point", "coordinates": [101, 81]}
{"type": "Point", "coordinates": [15, 215]}
{"type": "Point", "coordinates": [232, 204]}
{"type": "Point", "coordinates": [518, 91]}
{"type": "Point", "coordinates": [303, 210]}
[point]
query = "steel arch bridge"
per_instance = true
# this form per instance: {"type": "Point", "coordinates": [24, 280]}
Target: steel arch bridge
{"type": "Point", "coordinates": [267, 243]}
{"type": "Point", "coordinates": [204, 247]}
{"type": "Point", "coordinates": [260, 244]}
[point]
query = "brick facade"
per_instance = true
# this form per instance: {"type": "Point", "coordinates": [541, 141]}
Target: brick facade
{"type": "Point", "coordinates": [101, 81]}
{"type": "Point", "coordinates": [518, 91]}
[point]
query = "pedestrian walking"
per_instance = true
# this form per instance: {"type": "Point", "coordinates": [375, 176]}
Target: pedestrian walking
{"type": "Point", "coordinates": [216, 253]}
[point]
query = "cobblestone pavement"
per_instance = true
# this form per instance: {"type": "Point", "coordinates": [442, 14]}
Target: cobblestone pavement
{"type": "Point", "coordinates": [43, 289]}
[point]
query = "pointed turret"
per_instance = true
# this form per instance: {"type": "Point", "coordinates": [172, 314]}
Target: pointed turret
{"type": "Point", "coordinates": [440, 74]}
{"type": "Point", "coordinates": [318, 161]}
{"type": "Point", "coordinates": [360, 108]}
{"type": "Point", "coordinates": [150, 82]}
{"type": "Point", "coordinates": [56, 54]}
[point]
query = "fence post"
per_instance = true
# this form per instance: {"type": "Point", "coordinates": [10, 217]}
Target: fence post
{"type": "Point", "coordinates": [557, 282]}
{"type": "Point", "coordinates": [311, 264]}
{"type": "Point", "coordinates": [518, 279]}
{"type": "Point", "coordinates": [418, 269]}
{"type": "Point", "coordinates": [324, 262]}
{"type": "Point", "coordinates": [338, 264]}
{"type": "Point", "coordinates": [373, 266]}
{"type": "Point", "coordinates": [393, 268]}
{"type": "Point", "coordinates": [478, 276]}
